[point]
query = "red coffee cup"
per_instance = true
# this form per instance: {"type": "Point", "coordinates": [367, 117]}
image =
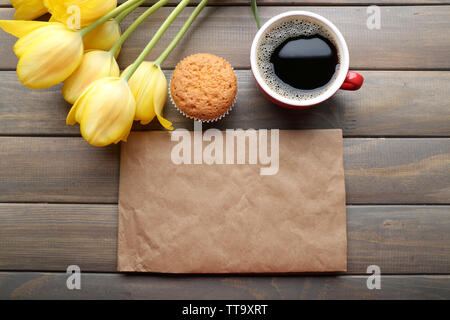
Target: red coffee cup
{"type": "Point", "coordinates": [344, 79]}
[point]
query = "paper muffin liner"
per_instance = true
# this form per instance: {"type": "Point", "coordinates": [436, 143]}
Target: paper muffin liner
{"type": "Point", "coordinates": [194, 118]}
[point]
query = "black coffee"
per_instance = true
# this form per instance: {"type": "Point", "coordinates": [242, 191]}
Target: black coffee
{"type": "Point", "coordinates": [298, 59]}
{"type": "Point", "coordinates": [305, 62]}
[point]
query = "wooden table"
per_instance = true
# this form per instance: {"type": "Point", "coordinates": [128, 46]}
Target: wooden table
{"type": "Point", "coordinates": [58, 195]}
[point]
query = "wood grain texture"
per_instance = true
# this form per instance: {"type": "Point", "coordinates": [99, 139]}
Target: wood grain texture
{"type": "Point", "coordinates": [400, 171]}
{"type": "Point", "coordinates": [411, 37]}
{"type": "Point", "coordinates": [378, 171]}
{"type": "Point", "coordinates": [121, 286]}
{"type": "Point", "coordinates": [50, 237]}
{"type": "Point", "coordinates": [399, 239]}
{"type": "Point", "coordinates": [405, 108]}
{"type": "Point", "coordinates": [57, 170]}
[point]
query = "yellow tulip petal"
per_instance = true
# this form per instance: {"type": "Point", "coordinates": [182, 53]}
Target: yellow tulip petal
{"type": "Point", "coordinates": [70, 120]}
{"type": "Point", "coordinates": [19, 28]}
{"type": "Point", "coordinates": [103, 37]}
{"type": "Point", "coordinates": [123, 138]}
{"type": "Point", "coordinates": [75, 112]}
{"type": "Point", "coordinates": [109, 112]}
{"type": "Point", "coordinates": [145, 96]}
{"type": "Point", "coordinates": [144, 105]}
{"type": "Point", "coordinates": [165, 123]}
{"type": "Point", "coordinates": [105, 112]}
{"type": "Point", "coordinates": [50, 60]}
{"type": "Point", "coordinates": [96, 64]}
{"type": "Point", "coordinates": [90, 10]}
{"type": "Point", "coordinates": [34, 36]}
{"type": "Point", "coordinates": [71, 117]}
{"type": "Point", "coordinates": [28, 9]}
{"type": "Point", "coordinates": [160, 97]}
{"type": "Point", "coordinates": [149, 87]}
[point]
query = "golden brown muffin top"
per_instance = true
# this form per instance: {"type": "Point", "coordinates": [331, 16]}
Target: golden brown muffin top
{"type": "Point", "coordinates": [203, 86]}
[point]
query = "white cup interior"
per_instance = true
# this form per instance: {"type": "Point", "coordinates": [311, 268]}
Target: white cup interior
{"type": "Point", "coordinates": [341, 47]}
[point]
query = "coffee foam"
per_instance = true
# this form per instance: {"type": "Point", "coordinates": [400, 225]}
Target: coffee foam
{"type": "Point", "coordinates": [274, 37]}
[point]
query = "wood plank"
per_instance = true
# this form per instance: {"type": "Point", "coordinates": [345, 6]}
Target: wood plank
{"type": "Point", "coordinates": [397, 171]}
{"type": "Point", "coordinates": [120, 286]}
{"type": "Point", "coordinates": [399, 239]}
{"type": "Point", "coordinates": [50, 237]}
{"type": "Point", "coordinates": [411, 37]}
{"type": "Point", "coordinates": [405, 108]}
{"type": "Point", "coordinates": [378, 171]}
{"type": "Point", "coordinates": [57, 170]}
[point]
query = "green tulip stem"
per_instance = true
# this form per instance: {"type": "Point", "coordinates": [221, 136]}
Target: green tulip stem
{"type": "Point", "coordinates": [256, 14]}
{"type": "Point", "coordinates": [107, 16]}
{"type": "Point", "coordinates": [181, 33]}
{"type": "Point", "coordinates": [136, 24]}
{"type": "Point", "coordinates": [127, 75]}
{"type": "Point", "coordinates": [126, 12]}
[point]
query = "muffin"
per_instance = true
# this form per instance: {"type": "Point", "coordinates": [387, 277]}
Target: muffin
{"type": "Point", "coordinates": [203, 87]}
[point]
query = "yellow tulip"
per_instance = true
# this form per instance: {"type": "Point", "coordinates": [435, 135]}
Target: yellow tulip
{"type": "Point", "coordinates": [149, 87]}
{"type": "Point", "coordinates": [96, 64]}
{"type": "Point", "coordinates": [105, 112]}
{"type": "Point", "coordinates": [103, 37]}
{"type": "Point", "coordinates": [89, 10]}
{"type": "Point", "coordinates": [28, 9]}
{"type": "Point", "coordinates": [48, 52]}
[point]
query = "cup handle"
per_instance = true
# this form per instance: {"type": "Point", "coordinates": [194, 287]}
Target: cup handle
{"type": "Point", "coordinates": [353, 81]}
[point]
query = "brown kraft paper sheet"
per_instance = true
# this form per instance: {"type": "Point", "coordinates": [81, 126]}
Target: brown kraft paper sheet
{"type": "Point", "coordinates": [228, 218]}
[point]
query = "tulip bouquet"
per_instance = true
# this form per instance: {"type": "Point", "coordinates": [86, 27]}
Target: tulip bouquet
{"type": "Point", "coordinates": [79, 46]}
